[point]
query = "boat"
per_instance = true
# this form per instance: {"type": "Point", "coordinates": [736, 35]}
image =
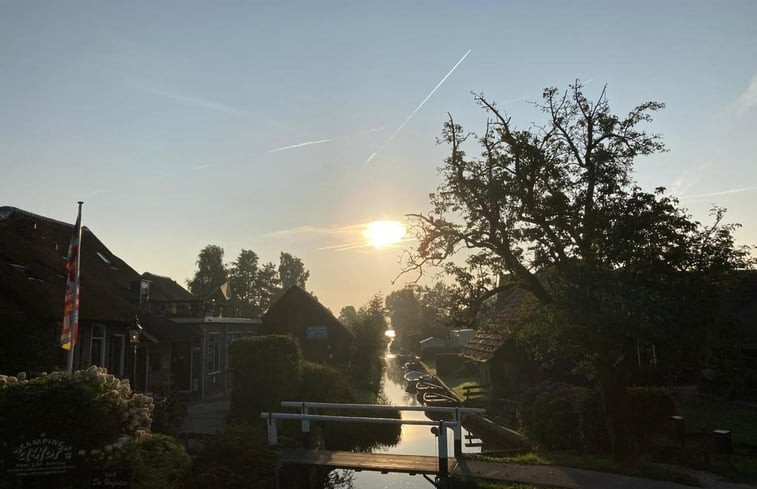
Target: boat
{"type": "Point", "coordinates": [409, 366]}
{"type": "Point", "coordinates": [416, 375]}
{"type": "Point", "coordinates": [426, 385]}
{"type": "Point", "coordinates": [439, 399]}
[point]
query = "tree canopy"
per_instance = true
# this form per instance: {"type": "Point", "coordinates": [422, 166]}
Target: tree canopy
{"type": "Point", "coordinates": [554, 209]}
{"type": "Point", "coordinates": [253, 286]}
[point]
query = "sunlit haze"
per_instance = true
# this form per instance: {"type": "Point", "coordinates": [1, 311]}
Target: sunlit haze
{"type": "Point", "coordinates": [288, 126]}
{"type": "Point", "coordinates": [381, 234]}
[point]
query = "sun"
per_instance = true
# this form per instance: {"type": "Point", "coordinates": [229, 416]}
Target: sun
{"type": "Point", "coordinates": [381, 234]}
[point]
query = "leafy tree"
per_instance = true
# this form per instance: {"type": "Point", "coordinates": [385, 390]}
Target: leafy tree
{"type": "Point", "coordinates": [253, 287]}
{"type": "Point", "coordinates": [554, 209]}
{"type": "Point", "coordinates": [210, 273]}
{"type": "Point", "coordinates": [292, 271]}
{"type": "Point", "coordinates": [369, 327]}
{"type": "Point", "coordinates": [406, 315]}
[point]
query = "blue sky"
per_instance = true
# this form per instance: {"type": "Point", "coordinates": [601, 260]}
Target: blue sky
{"type": "Point", "coordinates": [163, 116]}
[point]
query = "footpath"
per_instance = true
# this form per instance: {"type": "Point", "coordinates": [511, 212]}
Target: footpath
{"type": "Point", "coordinates": [571, 478]}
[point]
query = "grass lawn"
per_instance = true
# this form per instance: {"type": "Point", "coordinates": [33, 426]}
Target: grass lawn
{"type": "Point", "coordinates": [707, 415]}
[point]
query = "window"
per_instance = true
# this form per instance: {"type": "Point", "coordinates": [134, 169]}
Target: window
{"type": "Point", "coordinates": [317, 332]}
{"type": "Point", "coordinates": [231, 337]}
{"type": "Point", "coordinates": [214, 352]}
{"type": "Point", "coordinates": [116, 355]}
{"type": "Point", "coordinates": [97, 345]}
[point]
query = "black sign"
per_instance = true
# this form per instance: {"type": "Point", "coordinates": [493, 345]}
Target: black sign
{"type": "Point", "coordinates": [118, 478]}
{"type": "Point", "coordinates": [42, 456]}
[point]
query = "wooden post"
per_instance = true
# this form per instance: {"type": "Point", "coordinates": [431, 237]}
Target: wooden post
{"type": "Point", "coordinates": [458, 447]}
{"type": "Point", "coordinates": [305, 424]}
{"type": "Point", "coordinates": [273, 436]}
{"type": "Point", "coordinates": [443, 467]}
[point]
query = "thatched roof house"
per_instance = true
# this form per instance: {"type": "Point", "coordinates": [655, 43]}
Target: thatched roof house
{"type": "Point", "coordinates": [322, 337]}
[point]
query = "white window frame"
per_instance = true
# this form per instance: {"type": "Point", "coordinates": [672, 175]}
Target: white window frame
{"type": "Point", "coordinates": [216, 345]}
{"type": "Point", "coordinates": [100, 361]}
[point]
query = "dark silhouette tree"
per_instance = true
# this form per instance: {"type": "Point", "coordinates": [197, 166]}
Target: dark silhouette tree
{"type": "Point", "coordinates": [555, 211]}
{"type": "Point", "coordinates": [292, 271]}
{"type": "Point", "coordinates": [210, 273]}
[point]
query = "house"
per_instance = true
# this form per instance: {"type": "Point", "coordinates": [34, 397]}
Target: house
{"type": "Point", "coordinates": [322, 337]}
{"type": "Point", "coordinates": [500, 363]}
{"type": "Point", "coordinates": [187, 350]}
{"type": "Point", "coordinates": [431, 346]}
{"type": "Point", "coordinates": [180, 347]}
{"type": "Point", "coordinates": [33, 250]}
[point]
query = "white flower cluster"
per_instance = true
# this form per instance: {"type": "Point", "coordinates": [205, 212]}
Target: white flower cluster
{"type": "Point", "coordinates": [133, 409]}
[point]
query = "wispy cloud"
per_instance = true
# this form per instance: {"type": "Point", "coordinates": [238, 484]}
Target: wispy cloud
{"type": "Point", "coordinates": [184, 98]}
{"type": "Point", "coordinates": [374, 129]}
{"type": "Point", "coordinates": [101, 191]}
{"type": "Point", "coordinates": [748, 99]}
{"type": "Point", "coordinates": [721, 192]}
{"type": "Point", "coordinates": [407, 119]}
{"type": "Point", "coordinates": [337, 239]}
{"type": "Point", "coordinates": [201, 167]}
{"type": "Point", "coordinates": [300, 145]}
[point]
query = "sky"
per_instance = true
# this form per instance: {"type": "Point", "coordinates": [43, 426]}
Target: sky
{"type": "Point", "coordinates": [287, 126]}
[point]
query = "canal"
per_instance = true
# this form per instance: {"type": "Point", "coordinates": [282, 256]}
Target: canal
{"type": "Point", "coordinates": [415, 440]}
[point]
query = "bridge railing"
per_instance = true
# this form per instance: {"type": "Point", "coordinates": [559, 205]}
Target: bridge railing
{"type": "Point", "coordinates": [305, 417]}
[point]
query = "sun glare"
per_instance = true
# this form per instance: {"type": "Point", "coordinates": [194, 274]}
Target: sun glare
{"type": "Point", "coordinates": [381, 234]}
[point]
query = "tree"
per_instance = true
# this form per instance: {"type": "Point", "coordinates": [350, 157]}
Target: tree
{"type": "Point", "coordinates": [244, 275]}
{"type": "Point", "coordinates": [253, 287]}
{"type": "Point", "coordinates": [554, 210]}
{"type": "Point", "coordinates": [292, 271]}
{"type": "Point", "coordinates": [210, 273]}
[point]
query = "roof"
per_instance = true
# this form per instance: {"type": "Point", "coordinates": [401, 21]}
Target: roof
{"type": "Point", "coordinates": [166, 289]}
{"type": "Point", "coordinates": [432, 339]}
{"type": "Point", "coordinates": [483, 346]}
{"type": "Point", "coordinates": [33, 251]}
{"type": "Point", "coordinates": [296, 299]}
{"type": "Point", "coordinates": [160, 328]}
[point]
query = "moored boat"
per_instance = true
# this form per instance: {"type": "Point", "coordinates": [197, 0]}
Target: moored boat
{"type": "Point", "coordinates": [431, 398]}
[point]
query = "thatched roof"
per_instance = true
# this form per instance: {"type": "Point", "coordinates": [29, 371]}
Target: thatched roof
{"type": "Point", "coordinates": [297, 304]}
{"type": "Point", "coordinates": [483, 346]}
{"type": "Point", "coordinates": [166, 289]}
{"type": "Point", "coordinates": [33, 250]}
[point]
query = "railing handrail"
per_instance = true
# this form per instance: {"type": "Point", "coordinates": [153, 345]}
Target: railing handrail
{"type": "Point", "coordinates": [379, 407]}
{"type": "Point", "coordinates": [356, 419]}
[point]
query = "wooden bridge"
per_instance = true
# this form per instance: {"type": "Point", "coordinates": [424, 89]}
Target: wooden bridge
{"type": "Point", "coordinates": [440, 466]}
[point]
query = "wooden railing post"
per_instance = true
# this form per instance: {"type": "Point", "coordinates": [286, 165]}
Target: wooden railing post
{"type": "Point", "coordinates": [273, 435]}
{"type": "Point", "coordinates": [458, 443]}
{"type": "Point", "coordinates": [305, 424]}
{"type": "Point", "coordinates": [443, 465]}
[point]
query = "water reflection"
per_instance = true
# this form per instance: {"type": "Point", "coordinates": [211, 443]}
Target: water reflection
{"type": "Point", "coordinates": [415, 440]}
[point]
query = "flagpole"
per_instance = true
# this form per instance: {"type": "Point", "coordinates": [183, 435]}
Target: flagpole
{"type": "Point", "coordinates": [75, 325]}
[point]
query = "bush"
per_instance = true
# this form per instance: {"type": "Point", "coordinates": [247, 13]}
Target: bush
{"type": "Point", "coordinates": [549, 417]}
{"type": "Point", "coordinates": [156, 462]}
{"type": "Point", "coordinates": [237, 457]}
{"type": "Point", "coordinates": [651, 409]}
{"type": "Point", "coordinates": [89, 409]}
{"type": "Point", "coordinates": [267, 370]}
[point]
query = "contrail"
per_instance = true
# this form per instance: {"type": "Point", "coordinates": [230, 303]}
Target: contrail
{"type": "Point", "coordinates": [306, 143]}
{"type": "Point", "coordinates": [394, 134]}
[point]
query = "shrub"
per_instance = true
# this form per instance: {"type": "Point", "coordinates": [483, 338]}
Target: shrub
{"type": "Point", "coordinates": [651, 409]}
{"type": "Point", "coordinates": [90, 409]}
{"type": "Point", "coordinates": [237, 457]}
{"type": "Point", "coordinates": [267, 370]}
{"type": "Point", "coordinates": [549, 417]}
{"type": "Point", "coordinates": [156, 462]}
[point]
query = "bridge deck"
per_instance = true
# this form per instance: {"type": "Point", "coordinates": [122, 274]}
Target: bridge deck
{"type": "Point", "coordinates": [375, 462]}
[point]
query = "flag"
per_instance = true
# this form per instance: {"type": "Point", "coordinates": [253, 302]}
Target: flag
{"type": "Point", "coordinates": [225, 289]}
{"type": "Point", "coordinates": [70, 330]}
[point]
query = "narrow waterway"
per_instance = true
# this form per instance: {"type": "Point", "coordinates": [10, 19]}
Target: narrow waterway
{"type": "Point", "coordinates": [415, 440]}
